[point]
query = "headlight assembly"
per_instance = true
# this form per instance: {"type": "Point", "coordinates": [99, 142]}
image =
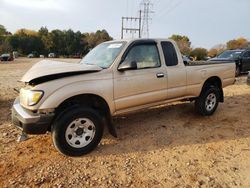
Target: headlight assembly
{"type": "Point", "coordinates": [30, 97]}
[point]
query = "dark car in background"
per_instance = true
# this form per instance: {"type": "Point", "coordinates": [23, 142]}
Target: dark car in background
{"type": "Point", "coordinates": [6, 57]}
{"type": "Point", "coordinates": [241, 57]}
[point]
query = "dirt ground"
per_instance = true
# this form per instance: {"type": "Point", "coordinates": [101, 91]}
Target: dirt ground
{"type": "Point", "coordinates": [168, 146]}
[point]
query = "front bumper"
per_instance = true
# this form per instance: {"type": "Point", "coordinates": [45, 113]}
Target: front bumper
{"type": "Point", "coordinates": [29, 122]}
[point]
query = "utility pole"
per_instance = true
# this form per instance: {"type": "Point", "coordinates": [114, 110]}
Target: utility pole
{"type": "Point", "coordinates": [147, 6]}
{"type": "Point", "coordinates": [132, 30]}
{"type": "Point", "coordinates": [140, 24]}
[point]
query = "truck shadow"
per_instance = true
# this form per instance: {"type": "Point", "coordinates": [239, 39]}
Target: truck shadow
{"type": "Point", "coordinates": [178, 125]}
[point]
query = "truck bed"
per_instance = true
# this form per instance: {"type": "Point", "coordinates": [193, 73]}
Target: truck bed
{"type": "Point", "coordinates": [197, 63]}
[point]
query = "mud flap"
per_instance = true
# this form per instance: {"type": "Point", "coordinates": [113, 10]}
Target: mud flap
{"type": "Point", "coordinates": [221, 95]}
{"type": "Point", "coordinates": [111, 127]}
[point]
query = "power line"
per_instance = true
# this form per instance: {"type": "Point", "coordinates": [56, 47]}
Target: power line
{"type": "Point", "coordinates": [171, 9]}
{"type": "Point", "coordinates": [157, 1]}
{"type": "Point", "coordinates": [166, 6]}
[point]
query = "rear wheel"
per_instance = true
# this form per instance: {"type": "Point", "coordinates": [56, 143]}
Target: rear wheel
{"type": "Point", "coordinates": [77, 131]}
{"type": "Point", "coordinates": [208, 101]}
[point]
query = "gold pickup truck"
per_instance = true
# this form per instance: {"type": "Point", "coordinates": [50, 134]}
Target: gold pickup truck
{"type": "Point", "coordinates": [75, 101]}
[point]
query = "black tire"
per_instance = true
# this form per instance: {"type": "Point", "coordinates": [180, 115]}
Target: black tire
{"type": "Point", "coordinates": [64, 122]}
{"type": "Point", "coordinates": [237, 71]}
{"type": "Point", "coordinates": [201, 105]}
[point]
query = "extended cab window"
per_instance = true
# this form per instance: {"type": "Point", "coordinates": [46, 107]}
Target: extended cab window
{"type": "Point", "coordinates": [169, 53]}
{"type": "Point", "coordinates": [145, 56]}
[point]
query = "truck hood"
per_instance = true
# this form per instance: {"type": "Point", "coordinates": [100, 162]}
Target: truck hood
{"type": "Point", "coordinates": [47, 70]}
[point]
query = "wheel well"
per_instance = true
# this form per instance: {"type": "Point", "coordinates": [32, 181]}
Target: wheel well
{"type": "Point", "coordinates": [90, 100]}
{"type": "Point", "coordinates": [214, 81]}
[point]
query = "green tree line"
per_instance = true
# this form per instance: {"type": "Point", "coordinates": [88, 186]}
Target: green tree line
{"type": "Point", "coordinates": [43, 41]}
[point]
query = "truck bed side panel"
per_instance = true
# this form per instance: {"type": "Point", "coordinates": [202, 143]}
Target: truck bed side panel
{"type": "Point", "coordinates": [197, 75]}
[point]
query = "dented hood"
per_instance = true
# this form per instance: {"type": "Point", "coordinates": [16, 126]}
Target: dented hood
{"type": "Point", "coordinates": [47, 70]}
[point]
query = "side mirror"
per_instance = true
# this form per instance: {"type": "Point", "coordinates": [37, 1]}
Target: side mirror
{"type": "Point", "coordinates": [127, 65]}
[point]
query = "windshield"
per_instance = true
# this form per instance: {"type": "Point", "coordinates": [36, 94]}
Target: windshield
{"type": "Point", "coordinates": [230, 54]}
{"type": "Point", "coordinates": [104, 54]}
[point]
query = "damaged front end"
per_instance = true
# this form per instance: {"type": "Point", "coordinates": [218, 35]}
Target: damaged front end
{"type": "Point", "coordinates": [28, 121]}
{"type": "Point", "coordinates": [25, 112]}
{"type": "Point", "coordinates": [47, 70]}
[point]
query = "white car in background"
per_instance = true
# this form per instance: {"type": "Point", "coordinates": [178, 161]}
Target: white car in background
{"type": "Point", "coordinates": [30, 55]}
{"type": "Point", "coordinates": [51, 55]}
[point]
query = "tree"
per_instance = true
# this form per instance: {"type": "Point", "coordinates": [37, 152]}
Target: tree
{"type": "Point", "coordinates": [93, 39]}
{"type": "Point", "coordinates": [61, 42]}
{"type": "Point", "coordinates": [5, 47]}
{"type": "Point", "coordinates": [212, 52]}
{"type": "Point", "coordinates": [199, 53]}
{"type": "Point", "coordinates": [76, 45]}
{"type": "Point", "coordinates": [183, 43]}
{"type": "Point", "coordinates": [72, 40]}
{"type": "Point", "coordinates": [27, 41]}
{"type": "Point", "coordinates": [43, 33]}
{"type": "Point", "coordinates": [57, 42]}
{"type": "Point", "coordinates": [216, 50]}
{"type": "Point", "coordinates": [220, 48]}
{"type": "Point", "coordinates": [27, 32]}
{"type": "Point", "coordinates": [237, 43]}
{"type": "Point", "coordinates": [3, 31]}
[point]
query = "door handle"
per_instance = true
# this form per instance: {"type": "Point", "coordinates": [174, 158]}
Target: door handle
{"type": "Point", "coordinates": [160, 75]}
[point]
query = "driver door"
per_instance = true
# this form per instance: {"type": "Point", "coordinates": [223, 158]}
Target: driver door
{"type": "Point", "coordinates": [144, 85]}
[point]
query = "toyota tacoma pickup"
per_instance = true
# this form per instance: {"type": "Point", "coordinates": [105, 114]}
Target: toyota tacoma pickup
{"type": "Point", "coordinates": [75, 101]}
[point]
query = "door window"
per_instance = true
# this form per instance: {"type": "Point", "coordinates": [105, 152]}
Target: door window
{"type": "Point", "coordinates": [169, 54]}
{"type": "Point", "coordinates": [145, 55]}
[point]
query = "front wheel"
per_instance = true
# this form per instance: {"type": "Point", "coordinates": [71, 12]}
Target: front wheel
{"type": "Point", "coordinates": [77, 131]}
{"type": "Point", "coordinates": [208, 101]}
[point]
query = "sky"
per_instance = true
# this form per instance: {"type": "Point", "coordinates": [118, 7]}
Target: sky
{"type": "Point", "coordinates": [206, 22]}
